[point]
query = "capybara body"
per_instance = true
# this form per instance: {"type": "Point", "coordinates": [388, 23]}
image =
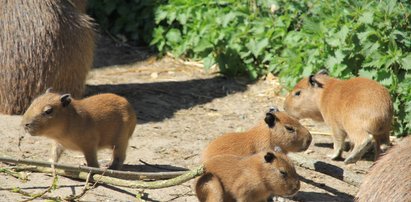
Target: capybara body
{"type": "Point", "coordinates": [251, 178]}
{"type": "Point", "coordinates": [277, 129]}
{"type": "Point", "coordinates": [43, 43]}
{"type": "Point", "coordinates": [359, 108]}
{"type": "Point", "coordinates": [389, 179]}
{"type": "Point", "coordinates": [86, 125]}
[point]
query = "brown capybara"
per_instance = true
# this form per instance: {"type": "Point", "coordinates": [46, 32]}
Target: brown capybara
{"type": "Point", "coordinates": [389, 179]}
{"type": "Point", "coordinates": [251, 178]}
{"type": "Point", "coordinates": [43, 43]}
{"type": "Point", "coordinates": [99, 121]}
{"type": "Point", "coordinates": [277, 129]}
{"type": "Point", "coordinates": [359, 108]}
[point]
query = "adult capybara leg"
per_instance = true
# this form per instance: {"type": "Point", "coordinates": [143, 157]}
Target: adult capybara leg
{"type": "Point", "coordinates": [209, 189]}
{"type": "Point", "coordinates": [91, 157]}
{"type": "Point", "coordinates": [338, 138]}
{"type": "Point", "coordinates": [119, 155]}
{"type": "Point", "coordinates": [377, 148]}
{"type": "Point", "coordinates": [362, 144]}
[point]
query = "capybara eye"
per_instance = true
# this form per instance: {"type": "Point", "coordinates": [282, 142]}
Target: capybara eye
{"type": "Point", "coordinates": [283, 174]}
{"type": "Point", "coordinates": [290, 129]}
{"type": "Point", "coordinates": [48, 111]}
{"type": "Point", "coordinates": [297, 93]}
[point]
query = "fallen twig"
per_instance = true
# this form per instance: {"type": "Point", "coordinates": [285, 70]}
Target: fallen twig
{"type": "Point", "coordinates": [326, 168]}
{"type": "Point", "coordinates": [17, 175]}
{"type": "Point", "coordinates": [100, 179]}
{"type": "Point", "coordinates": [112, 173]}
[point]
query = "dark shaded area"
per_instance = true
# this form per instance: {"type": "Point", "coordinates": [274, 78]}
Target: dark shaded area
{"type": "Point", "coordinates": [339, 196]}
{"type": "Point", "coordinates": [159, 101]}
{"type": "Point", "coordinates": [129, 20]}
{"type": "Point", "coordinates": [109, 52]}
{"type": "Point", "coordinates": [347, 145]}
{"type": "Point", "coordinates": [329, 169]}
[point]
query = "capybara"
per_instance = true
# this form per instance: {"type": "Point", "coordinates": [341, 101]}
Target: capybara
{"type": "Point", "coordinates": [86, 125]}
{"type": "Point", "coordinates": [43, 43]}
{"type": "Point", "coordinates": [277, 129]}
{"type": "Point", "coordinates": [359, 108]}
{"type": "Point", "coordinates": [250, 178]}
{"type": "Point", "coordinates": [389, 179]}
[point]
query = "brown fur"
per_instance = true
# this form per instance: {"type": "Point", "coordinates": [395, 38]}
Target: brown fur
{"type": "Point", "coordinates": [100, 121]}
{"type": "Point", "coordinates": [358, 107]}
{"type": "Point", "coordinates": [251, 178]}
{"type": "Point", "coordinates": [262, 137]}
{"type": "Point", "coordinates": [43, 43]}
{"type": "Point", "coordinates": [390, 177]}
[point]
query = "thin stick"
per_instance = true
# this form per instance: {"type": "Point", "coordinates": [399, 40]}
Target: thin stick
{"type": "Point", "coordinates": [112, 173]}
{"type": "Point", "coordinates": [160, 167]}
{"type": "Point", "coordinates": [86, 188]}
{"type": "Point", "coordinates": [41, 194]}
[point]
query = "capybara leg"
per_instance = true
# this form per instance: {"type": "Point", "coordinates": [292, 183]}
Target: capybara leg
{"type": "Point", "coordinates": [338, 138]}
{"type": "Point", "coordinates": [119, 155]}
{"type": "Point", "coordinates": [91, 157]}
{"type": "Point", "coordinates": [56, 151]}
{"type": "Point", "coordinates": [377, 148]}
{"type": "Point", "coordinates": [360, 149]}
{"type": "Point", "coordinates": [209, 189]}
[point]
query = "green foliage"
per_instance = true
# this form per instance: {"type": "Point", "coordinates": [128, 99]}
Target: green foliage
{"type": "Point", "coordinates": [349, 38]}
{"type": "Point", "coordinates": [127, 19]}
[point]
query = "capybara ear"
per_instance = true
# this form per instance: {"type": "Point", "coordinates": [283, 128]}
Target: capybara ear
{"type": "Point", "coordinates": [49, 90]}
{"type": "Point", "coordinates": [270, 119]}
{"type": "Point", "coordinates": [322, 72]}
{"type": "Point", "coordinates": [269, 157]}
{"type": "Point", "coordinates": [65, 100]}
{"type": "Point", "coordinates": [313, 82]}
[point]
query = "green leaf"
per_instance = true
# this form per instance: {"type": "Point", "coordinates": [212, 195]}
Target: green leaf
{"type": "Point", "coordinates": [367, 73]}
{"type": "Point", "coordinates": [202, 45]}
{"type": "Point", "coordinates": [366, 18]}
{"type": "Point", "coordinates": [406, 62]}
{"type": "Point", "coordinates": [173, 35]}
{"type": "Point", "coordinates": [257, 47]}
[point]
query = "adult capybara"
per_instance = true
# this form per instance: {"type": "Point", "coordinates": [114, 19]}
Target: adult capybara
{"type": "Point", "coordinates": [277, 129]}
{"type": "Point", "coordinates": [100, 121]}
{"type": "Point", "coordinates": [251, 178]}
{"type": "Point", "coordinates": [43, 43]}
{"type": "Point", "coordinates": [389, 179]}
{"type": "Point", "coordinates": [360, 108]}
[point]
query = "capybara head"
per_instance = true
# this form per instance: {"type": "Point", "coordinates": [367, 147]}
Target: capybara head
{"type": "Point", "coordinates": [279, 171]}
{"type": "Point", "coordinates": [287, 132]}
{"type": "Point", "coordinates": [303, 100]}
{"type": "Point", "coordinates": [46, 113]}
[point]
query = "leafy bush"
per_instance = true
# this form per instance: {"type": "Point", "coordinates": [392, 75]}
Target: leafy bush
{"type": "Point", "coordinates": [126, 19]}
{"type": "Point", "coordinates": [350, 38]}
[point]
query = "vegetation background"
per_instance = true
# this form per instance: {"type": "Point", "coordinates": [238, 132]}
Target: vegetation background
{"type": "Point", "coordinates": [289, 38]}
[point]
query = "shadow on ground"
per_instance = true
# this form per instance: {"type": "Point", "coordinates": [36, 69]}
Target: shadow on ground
{"type": "Point", "coordinates": [154, 102]}
{"type": "Point", "coordinates": [337, 195]}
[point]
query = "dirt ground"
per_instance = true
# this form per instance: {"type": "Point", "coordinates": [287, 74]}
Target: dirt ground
{"type": "Point", "coordinates": [180, 108]}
